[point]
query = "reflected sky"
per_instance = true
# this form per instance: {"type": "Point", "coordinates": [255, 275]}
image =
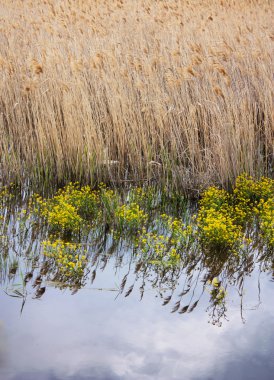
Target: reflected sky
{"type": "Point", "coordinates": [94, 335]}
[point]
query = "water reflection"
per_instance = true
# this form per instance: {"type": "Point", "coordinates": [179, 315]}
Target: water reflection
{"type": "Point", "coordinates": [92, 335]}
{"type": "Point", "coordinates": [99, 329]}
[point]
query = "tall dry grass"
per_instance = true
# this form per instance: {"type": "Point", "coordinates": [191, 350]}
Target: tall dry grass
{"type": "Point", "coordinates": [173, 91]}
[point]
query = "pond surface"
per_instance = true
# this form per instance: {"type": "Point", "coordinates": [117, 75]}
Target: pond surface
{"type": "Point", "coordinates": [208, 317]}
{"type": "Point", "coordinates": [94, 334]}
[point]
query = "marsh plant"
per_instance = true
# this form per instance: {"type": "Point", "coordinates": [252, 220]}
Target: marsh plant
{"type": "Point", "coordinates": [67, 238]}
{"type": "Point", "coordinates": [170, 91]}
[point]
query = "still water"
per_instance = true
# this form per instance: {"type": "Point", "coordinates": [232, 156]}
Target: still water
{"type": "Point", "coordinates": [132, 320]}
{"type": "Point", "coordinates": [94, 334]}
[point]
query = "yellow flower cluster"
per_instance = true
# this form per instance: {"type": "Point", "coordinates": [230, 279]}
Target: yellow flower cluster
{"type": "Point", "coordinates": [256, 198]}
{"type": "Point", "coordinates": [248, 193]}
{"type": "Point", "coordinates": [84, 199]}
{"type": "Point", "coordinates": [217, 228]}
{"type": "Point", "coordinates": [215, 199]}
{"type": "Point", "coordinates": [223, 218]}
{"type": "Point", "coordinates": [131, 216]}
{"type": "Point", "coordinates": [69, 208]}
{"type": "Point", "coordinates": [64, 216]}
{"type": "Point", "coordinates": [69, 261]}
{"type": "Point", "coordinates": [246, 187]}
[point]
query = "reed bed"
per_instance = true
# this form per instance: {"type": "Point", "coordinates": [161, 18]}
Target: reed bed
{"type": "Point", "coordinates": [176, 92]}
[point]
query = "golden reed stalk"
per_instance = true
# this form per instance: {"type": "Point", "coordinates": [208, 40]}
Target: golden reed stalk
{"type": "Point", "coordinates": [173, 91]}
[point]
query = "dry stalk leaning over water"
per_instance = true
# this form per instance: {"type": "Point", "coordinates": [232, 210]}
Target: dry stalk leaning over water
{"type": "Point", "coordinates": [178, 91]}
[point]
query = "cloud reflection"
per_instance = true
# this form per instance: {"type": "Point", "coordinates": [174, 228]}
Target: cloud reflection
{"type": "Point", "coordinates": [91, 336]}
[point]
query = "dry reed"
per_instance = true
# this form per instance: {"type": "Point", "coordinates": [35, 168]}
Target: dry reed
{"type": "Point", "coordinates": [173, 91]}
